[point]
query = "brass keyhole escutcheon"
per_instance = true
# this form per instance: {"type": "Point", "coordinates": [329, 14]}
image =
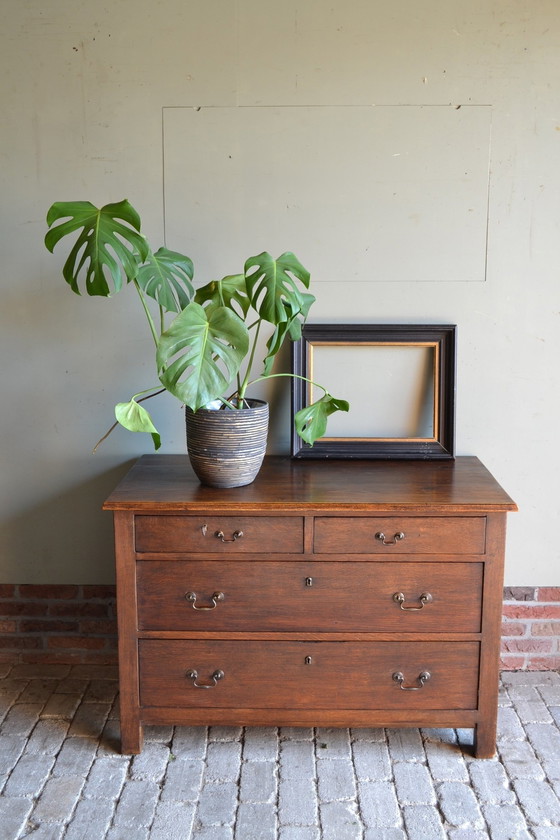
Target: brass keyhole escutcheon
{"type": "Point", "coordinates": [308, 660]}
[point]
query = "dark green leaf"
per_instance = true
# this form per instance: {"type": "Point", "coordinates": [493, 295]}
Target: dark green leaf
{"type": "Point", "coordinates": [272, 286]}
{"type": "Point", "coordinates": [291, 328]}
{"type": "Point", "coordinates": [200, 353]}
{"type": "Point", "coordinates": [311, 421]}
{"type": "Point", "coordinates": [166, 277]}
{"type": "Point", "coordinates": [225, 292]}
{"type": "Point", "coordinates": [135, 418]}
{"type": "Point", "coordinates": [108, 249]}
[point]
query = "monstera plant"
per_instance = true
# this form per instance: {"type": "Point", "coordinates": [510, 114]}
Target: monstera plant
{"type": "Point", "coordinates": [205, 340]}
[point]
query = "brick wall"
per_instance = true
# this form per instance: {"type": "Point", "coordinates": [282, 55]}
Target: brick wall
{"type": "Point", "coordinates": [66, 624]}
{"type": "Point", "coordinates": [531, 628]}
{"type": "Point", "coordinates": [58, 624]}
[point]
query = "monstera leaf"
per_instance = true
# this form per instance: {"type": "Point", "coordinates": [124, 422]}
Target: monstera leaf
{"type": "Point", "coordinates": [108, 248]}
{"type": "Point", "coordinates": [225, 292]}
{"type": "Point", "coordinates": [311, 421]}
{"type": "Point", "coordinates": [291, 328]}
{"type": "Point", "coordinates": [135, 418]}
{"type": "Point", "coordinates": [273, 288]}
{"type": "Point", "coordinates": [166, 277]}
{"type": "Point", "coordinates": [200, 353]}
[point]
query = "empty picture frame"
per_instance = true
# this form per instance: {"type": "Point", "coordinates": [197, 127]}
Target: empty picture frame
{"type": "Point", "coordinates": [399, 380]}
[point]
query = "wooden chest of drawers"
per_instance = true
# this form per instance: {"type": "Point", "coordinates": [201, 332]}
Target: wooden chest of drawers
{"type": "Point", "coordinates": [345, 593]}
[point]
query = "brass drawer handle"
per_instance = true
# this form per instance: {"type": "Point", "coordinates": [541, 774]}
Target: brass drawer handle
{"type": "Point", "coordinates": [422, 679]}
{"type": "Point", "coordinates": [215, 677]}
{"type": "Point", "coordinates": [217, 596]}
{"type": "Point", "coordinates": [396, 537]}
{"type": "Point", "coordinates": [424, 599]}
{"type": "Point", "coordinates": [235, 536]}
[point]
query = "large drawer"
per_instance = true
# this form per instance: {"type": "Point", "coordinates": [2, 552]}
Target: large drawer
{"type": "Point", "coordinates": [216, 534]}
{"type": "Point", "coordinates": [400, 535]}
{"type": "Point", "coordinates": [317, 675]}
{"type": "Point", "coordinates": [309, 595]}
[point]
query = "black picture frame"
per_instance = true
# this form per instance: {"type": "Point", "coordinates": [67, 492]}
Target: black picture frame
{"type": "Point", "coordinates": [435, 441]}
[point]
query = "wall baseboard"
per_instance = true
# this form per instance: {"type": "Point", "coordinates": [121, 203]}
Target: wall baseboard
{"type": "Point", "coordinates": [66, 624]}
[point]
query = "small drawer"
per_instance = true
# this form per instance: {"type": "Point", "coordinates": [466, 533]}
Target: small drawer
{"type": "Point", "coordinates": [217, 534]}
{"type": "Point", "coordinates": [400, 535]}
{"type": "Point", "coordinates": [311, 596]}
{"type": "Point", "coordinates": [309, 675]}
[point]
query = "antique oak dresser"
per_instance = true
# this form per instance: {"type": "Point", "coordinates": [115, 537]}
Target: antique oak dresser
{"type": "Point", "coordinates": [326, 593]}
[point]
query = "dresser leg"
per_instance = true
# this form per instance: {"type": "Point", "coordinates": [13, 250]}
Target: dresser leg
{"type": "Point", "coordinates": [485, 740]}
{"type": "Point", "coordinates": [132, 737]}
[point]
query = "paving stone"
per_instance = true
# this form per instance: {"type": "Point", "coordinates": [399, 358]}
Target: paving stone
{"type": "Point", "coordinates": [297, 733]}
{"type": "Point", "coordinates": [44, 832]}
{"type": "Point", "coordinates": [297, 758]}
{"type": "Point", "coordinates": [299, 832]}
{"type": "Point", "coordinates": [550, 694]}
{"type": "Point", "coordinates": [519, 760]}
{"type": "Point", "coordinates": [223, 761]}
{"type": "Point", "coordinates": [414, 784]}
{"type": "Point", "coordinates": [75, 757]}
{"type": "Point", "coordinates": [405, 745]}
{"type": "Point", "coordinates": [106, 778]}
{"type": "Point", "coordinates": [371, 760]}
{"type": "Point", "coordinates": [336, 780]}
{"type": "Point", "coordinates": [214, 832]}
{"type": "Point", "coordinates": [151, 763]}
{"type": "Point", "coordinates": [446, 762]}
{"type": "Point", "coordinates": [256, 821]}
{"type": "Point", "coordinates": [92, 818]}
{"type": "Point", "coordinates": [11, 747]}
{"type": "Point", "coordinates": [258, 781]}
{"type": "Point", "coordinates": [538, 800]}
{"type": "Point", "coordinates": [61, 706]}
{"type": "Point", "coordinates": [440, 736]}
{"type": "Point", "coordinates": [225, 733]}
{"type": "Point", "coordinates": [172, 821]}
{"type": "Point", "coordinates": [29, 775]}
{"type": "Point", "coordinates": [137, 804]}
{"type": "Point", "coordinates": [58, 800]}
{"type": "Point", "coordinates": [13, 816]}
{"type": "Point", "coordinates": [101, 691]}
{"type": "Point", "coordinates": [530, 678]}
{"type": "Point", "coordinates": [529, 705]}
{"type": "Point", "coordinates": [183, 780]}
{"type": "Point", "coordinates": [89, 720]}
{"type": "Point", "coordinates": [21, 719]}
{"type": "Point", "coordinates": [122, 832]}
{"type": "Point", "coordinates": [260, 743]}
{"type": "Point", "coordinates": [468, 834]}
{"type": "Point", "coordinates": [548, 833]}
{"type": "Point", "coordinates": [189, 742]}
{"type": "Point", "coordinates": [332, 743]}
{"type": "Point", "coordinates": [47, 737]}
{"type": "Point", "coordinates": [69, 685]}
{"type": "Point", "coordinates": [459, 806]}
{"type": "Point", "coordinates": [217, 804]}
{"type": "Point", "coordinates": [378, 804]}
{"type": "Point", "coordinates": [161, 734]}
{"type": "Point", "coordinates": [545, 740]}
{"type": "Point", "coordinates": [340, 821]}
{"type": "Point", "coordinates": [37, 691]}
{"type": "Point", "coordinates": [368, 734]}
{"type": "Point", "coordinates": [509, 726]}
{"type": "Point", "coordinates": [37, 672]}
{"type": "Point", "coordinates": [490, 782]}
{"type": "Point", "coordinates": [423, 822]}
{"type": "Point", "coordinates": [297, 802]}
{"type": "Point", "coordinates": [506, 822]}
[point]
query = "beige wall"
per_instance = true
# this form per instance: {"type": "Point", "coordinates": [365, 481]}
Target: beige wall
{"type": "Point", "coordinates": [84, 90]}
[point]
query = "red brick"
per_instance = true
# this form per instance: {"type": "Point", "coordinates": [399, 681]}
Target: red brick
{"type": "Point", "coordinates": [77, 608]}
{"type": "Point", "coordinates": [48, 590]}
{"type": "Point", "coordinates": [512, 663]}
{"type": "Point", "coordinates": [514, 628]}
{"type": "Point", "coordinates": [527, 645]}
{"type": "Point", "coordinates": [104, 627]}
{"type": "Point", "coordinates": [33, 625]}
{"type": "Point", "coordinates": [525, 611]}
{"type": "Point", "coordinates": [77, 642]}
{"type": "Point", "coordinates": [549, 593]}
{"type": "Point", "coordinates": [544, 663]}
{"type": "Point", "coordinates": [16, 642]}
{"type": "Point", "coordinates": [23, 608]}
{"type": "Point", "coordinates": [7, 590]}
{"type": "Point", "coordinates": [545, 628]}
{"type": "Point", "coordinates": [106, 591]}
{"type": "Point", "coordinates": [8, 626]}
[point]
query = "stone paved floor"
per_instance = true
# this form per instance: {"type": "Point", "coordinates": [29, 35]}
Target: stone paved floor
{"type": "Point", "coordinates": [61, 775]}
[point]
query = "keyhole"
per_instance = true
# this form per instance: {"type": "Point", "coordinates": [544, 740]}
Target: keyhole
{"type": "Point", "coordinates": [309, 581]}
{"type": "Point", "coordinates": [308, 660]}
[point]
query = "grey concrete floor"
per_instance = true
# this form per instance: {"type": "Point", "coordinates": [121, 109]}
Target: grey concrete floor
{"type": "Point", "coordinates": [61, 775]}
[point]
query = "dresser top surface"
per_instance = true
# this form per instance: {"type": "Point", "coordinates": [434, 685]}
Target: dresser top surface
{"type": "Point", "coordinates": [167, 483]}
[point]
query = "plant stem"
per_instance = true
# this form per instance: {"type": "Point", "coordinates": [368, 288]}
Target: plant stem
{"type": "Point", "coordinates": [291, 375]}
{"type": "Point", "coordinates": [245, 384]}
{"type": "Point", "coordinates": [147, 313]}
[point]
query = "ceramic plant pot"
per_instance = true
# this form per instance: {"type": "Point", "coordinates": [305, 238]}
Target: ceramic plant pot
{"type": "Point", "coordinates": [226, 447]}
